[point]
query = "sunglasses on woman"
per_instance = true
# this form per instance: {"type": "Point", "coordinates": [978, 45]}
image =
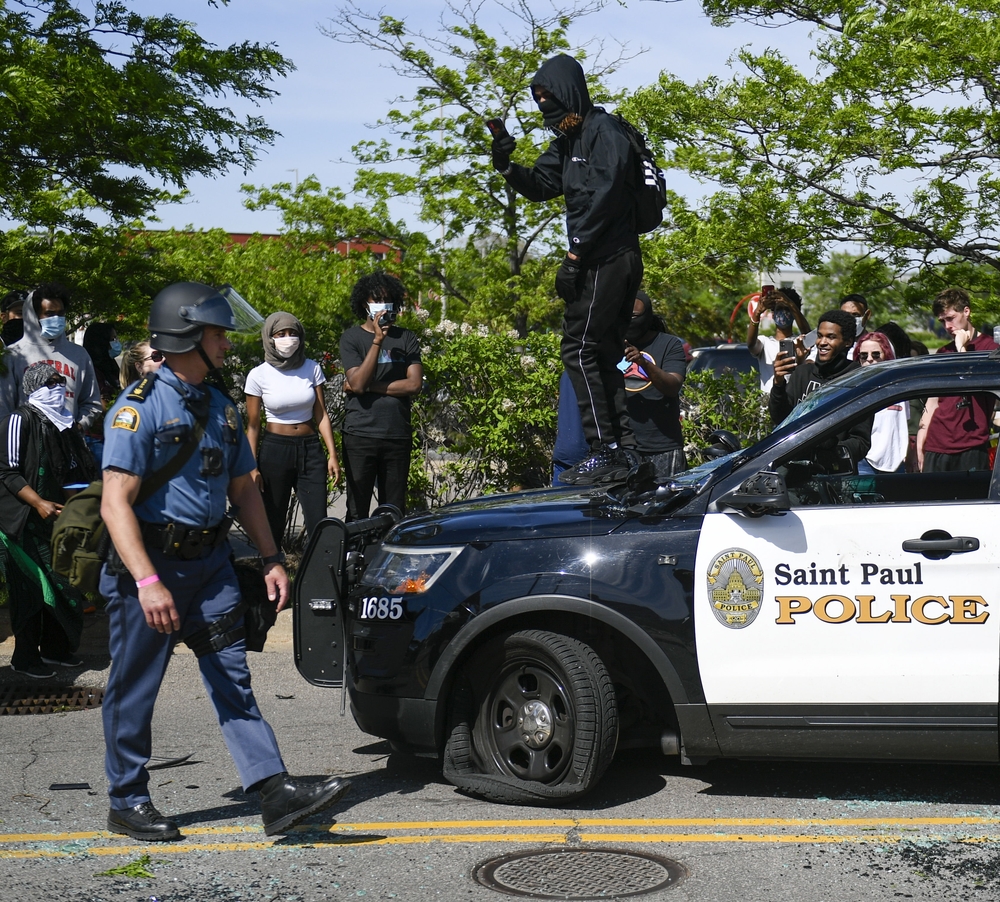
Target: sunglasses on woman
{"type": "Point", "coordinates": [869, 355]}
{"type": "Point", "coordinates": [53, 381]}
{"type": "Point", "coordinates": [156, 356]}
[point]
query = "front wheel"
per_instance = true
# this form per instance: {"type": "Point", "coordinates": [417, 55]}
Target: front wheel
{"type": "Point", "coordinates": [533, 718]}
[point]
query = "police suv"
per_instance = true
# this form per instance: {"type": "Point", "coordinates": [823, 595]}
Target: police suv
{"type": "Point", "coordinates": [772, 603]}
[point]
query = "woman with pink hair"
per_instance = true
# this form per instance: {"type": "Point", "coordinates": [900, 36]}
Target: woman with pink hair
{"type": "Point", "coordinates": [890, 435]}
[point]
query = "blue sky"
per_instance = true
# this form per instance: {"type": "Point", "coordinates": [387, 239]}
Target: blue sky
{"type": "Point", "coordinates": [338, 90]}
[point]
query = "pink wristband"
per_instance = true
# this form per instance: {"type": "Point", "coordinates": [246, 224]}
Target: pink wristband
{"type": "Point", "coordinates": [148, 581]}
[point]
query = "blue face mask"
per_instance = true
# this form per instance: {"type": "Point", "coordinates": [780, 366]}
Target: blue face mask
{"type": "Point", "coordinates": [53, 326]}
{"type": "Point", "coordinates": [116, 348]}
{"type": "Point", "coordinates": [783, 319]}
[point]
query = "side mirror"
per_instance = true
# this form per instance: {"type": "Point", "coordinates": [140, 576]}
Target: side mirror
{"type": "Point", "coordinates": [763, 493]}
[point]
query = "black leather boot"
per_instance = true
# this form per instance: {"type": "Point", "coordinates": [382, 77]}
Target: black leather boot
{"type": "Point", "coordinates": [142, 822]}
{"type": "Point", "coordinates": [285, 801]}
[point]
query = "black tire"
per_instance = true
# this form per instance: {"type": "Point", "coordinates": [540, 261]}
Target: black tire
{"type": "Point", "coordinates": [492, 750]}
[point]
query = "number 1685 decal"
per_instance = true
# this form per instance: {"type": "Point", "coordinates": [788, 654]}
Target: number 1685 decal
{"type": "Point", "coordinates": [383, 608]}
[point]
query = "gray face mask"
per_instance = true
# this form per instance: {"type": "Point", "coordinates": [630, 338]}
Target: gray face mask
{"type": "Point", "coordinates": [859, 325]}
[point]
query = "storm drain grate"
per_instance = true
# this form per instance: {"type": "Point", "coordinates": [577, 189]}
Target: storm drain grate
{"type": "Point", "coordinates": [17, 699]}
{"type": "Point", "coordinates": [578, 874]}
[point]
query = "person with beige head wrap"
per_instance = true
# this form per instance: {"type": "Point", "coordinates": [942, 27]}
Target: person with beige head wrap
{"type": "Point", "coordinates": [289, 388]}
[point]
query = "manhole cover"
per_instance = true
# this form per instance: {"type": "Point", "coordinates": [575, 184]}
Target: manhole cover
{"type": "Point", "coordinates": [17, 699]}
{"type": "Point", "coordinates": [578, 874]}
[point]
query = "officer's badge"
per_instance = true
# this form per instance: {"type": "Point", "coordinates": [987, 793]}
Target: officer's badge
{"type": "Point", "coordinates": [126, 418]}
{"type": "Point", "coordinates": [232, 421]}
{"type": "Point", "coordinates": [735, 588]}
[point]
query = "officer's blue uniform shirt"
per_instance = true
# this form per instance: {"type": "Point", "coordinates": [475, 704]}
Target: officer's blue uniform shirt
{"type": "Point", "coordinates": [141, 436]}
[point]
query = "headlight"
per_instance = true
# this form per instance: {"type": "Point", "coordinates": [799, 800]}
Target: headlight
{"type": "Point", "coordinates": [408, 570]}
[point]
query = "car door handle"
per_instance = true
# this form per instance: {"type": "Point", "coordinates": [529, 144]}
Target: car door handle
{"type": "Point", "coordinates": [956, 545]}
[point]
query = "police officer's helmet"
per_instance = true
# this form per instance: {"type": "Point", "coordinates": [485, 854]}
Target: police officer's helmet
{"type": "Point", "coordinates": [180, 313]}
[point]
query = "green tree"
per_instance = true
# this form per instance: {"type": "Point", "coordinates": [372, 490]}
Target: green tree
{"type": "Point", "coordinates": [106, 106]}
{"type": "Point", "coordinates": [845, 274]}
{"type": "Point", "coordinates": [103, 113]}
{"type": "Point", "coordinates": [890, 142]}
{"type": "Point", "coordinates": [440, 152]}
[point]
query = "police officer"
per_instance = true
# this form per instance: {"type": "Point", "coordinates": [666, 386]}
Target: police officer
{"type": "Point", "coordinates": [171, 574]}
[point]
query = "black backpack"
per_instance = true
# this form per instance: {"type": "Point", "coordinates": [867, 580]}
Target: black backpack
{"type": "Point", "coordinates": [649, 184]}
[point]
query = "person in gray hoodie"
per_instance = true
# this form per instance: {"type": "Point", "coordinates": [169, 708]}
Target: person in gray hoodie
{"type": "Point", "coordinates": [45, 341]}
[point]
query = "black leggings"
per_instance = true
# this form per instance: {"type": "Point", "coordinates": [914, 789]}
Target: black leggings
{"type": "Point", "coordinates": [292, 461]}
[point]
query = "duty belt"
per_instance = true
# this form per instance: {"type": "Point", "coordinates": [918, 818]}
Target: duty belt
{"type": "Point", "coordinates": [184, 542]}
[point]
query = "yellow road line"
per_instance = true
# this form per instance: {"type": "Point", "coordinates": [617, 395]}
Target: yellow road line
{"type": "Point", "coordinates": [167, 848]}
{"type": "Point", "coordinates": [483, 838]}
{"type": "Point", "coordinates": [379, 826]}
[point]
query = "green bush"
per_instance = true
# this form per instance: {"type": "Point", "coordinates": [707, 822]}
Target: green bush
{"type": "Point", "coordinates": [486, 419]}
{"type": "Point", "coordinates": [733, 402]}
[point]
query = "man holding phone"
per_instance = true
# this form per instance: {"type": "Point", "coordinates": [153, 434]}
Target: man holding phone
{"type": "Point", "coordinates": [590, 164]}
{"type": "Point", "coordinates": [382, 374]}
{"type": "Point", "coordinates": [785, 306]}
{"type": "Point", "coordinates": [793, 380]}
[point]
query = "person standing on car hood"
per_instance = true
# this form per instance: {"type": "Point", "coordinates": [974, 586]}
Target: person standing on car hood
{"type": "Point", "coordinates": [590, 164]}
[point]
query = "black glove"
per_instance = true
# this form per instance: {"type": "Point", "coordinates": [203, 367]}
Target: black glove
{"type": "Point", "coordinates": [502, 148]}
{"type": "Point", "coordinates": [568, 280]}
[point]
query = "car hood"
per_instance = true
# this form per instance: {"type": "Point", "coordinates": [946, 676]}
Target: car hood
{"type": "Point", "coordinates": [494, 518]}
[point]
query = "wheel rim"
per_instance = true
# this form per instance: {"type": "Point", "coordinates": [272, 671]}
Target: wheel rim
{"type": "Point", "coordinates": [527, 722]}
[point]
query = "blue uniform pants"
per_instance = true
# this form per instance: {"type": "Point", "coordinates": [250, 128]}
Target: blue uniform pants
{"type": "Point", "coordinates": [203, 590]}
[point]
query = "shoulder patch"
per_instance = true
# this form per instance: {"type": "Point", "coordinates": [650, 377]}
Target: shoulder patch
{"type": "Point", "coordinates": [142, 389]}
{"type": "Point", "coordinates": [126, 418]}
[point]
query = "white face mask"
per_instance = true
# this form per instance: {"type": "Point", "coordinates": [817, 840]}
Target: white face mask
{"type": "Point", "coordinates": [51, 401]}
{"type": "Point", "coordinates": [859, 325]}
{"type": "Point", "coordinates": [286, 346]}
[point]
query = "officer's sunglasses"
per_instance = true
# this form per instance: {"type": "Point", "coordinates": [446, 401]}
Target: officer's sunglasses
{"type": "Point", "coordinates": [869, 355]}
{"type": "Point", "coordinates": [53, 381]}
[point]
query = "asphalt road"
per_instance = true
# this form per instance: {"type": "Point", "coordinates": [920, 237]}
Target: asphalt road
{"type": "Point", "coordinates": [740, 830]}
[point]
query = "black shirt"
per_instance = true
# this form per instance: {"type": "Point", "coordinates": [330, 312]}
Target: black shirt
{"type": "Point", "coordinates": [656, 419]}
{"type": "Point", "coordinates": [379, 416]}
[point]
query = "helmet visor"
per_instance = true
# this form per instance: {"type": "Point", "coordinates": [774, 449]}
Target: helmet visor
{"type": "Point", "coordinates": [247, 318]}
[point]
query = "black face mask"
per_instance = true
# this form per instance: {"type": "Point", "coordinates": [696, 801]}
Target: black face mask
{"type": "Point", "coordinates": [553, 112]}
{"type": "Point", "coordinates": [639, 326]}
{"type": "Point", "coordinates": [13, 330]}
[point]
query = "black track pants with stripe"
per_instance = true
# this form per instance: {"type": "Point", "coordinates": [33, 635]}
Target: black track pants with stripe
{"type": "Point", "coordinates": [593, 344]}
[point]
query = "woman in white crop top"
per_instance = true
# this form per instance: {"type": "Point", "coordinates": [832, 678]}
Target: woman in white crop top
{"type": "Point", "coordinates": [290, 389]}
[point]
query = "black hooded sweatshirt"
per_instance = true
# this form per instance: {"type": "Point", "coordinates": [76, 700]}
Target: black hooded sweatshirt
{"type": "Point", "coordinates": [592, 167]}
{"type": "Point", "coordinates": [804, 380]}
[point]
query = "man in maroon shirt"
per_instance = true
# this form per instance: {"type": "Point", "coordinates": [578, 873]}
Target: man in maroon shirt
{"type": "Point", "coordinates": [954, 431]}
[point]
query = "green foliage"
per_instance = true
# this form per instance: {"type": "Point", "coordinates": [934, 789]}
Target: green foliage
{"type": "Point", "coordinates": [486, 419]}
{"type": "Point", "coordinates": [890, 142]}
{"type": "Point", "coordinates": [138, 869]}
{"type": "Point", "coordinates": [729, 401]}
{"type": "Point", "coordinates": [101, 108]}
{"type": "Point", "coordinates": [109, 276]}
{"type": "Point", "coordinates": [845, 274]}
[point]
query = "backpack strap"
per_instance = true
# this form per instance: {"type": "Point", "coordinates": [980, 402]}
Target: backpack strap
{"type": "Point", "coordinates": [155, 481]}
